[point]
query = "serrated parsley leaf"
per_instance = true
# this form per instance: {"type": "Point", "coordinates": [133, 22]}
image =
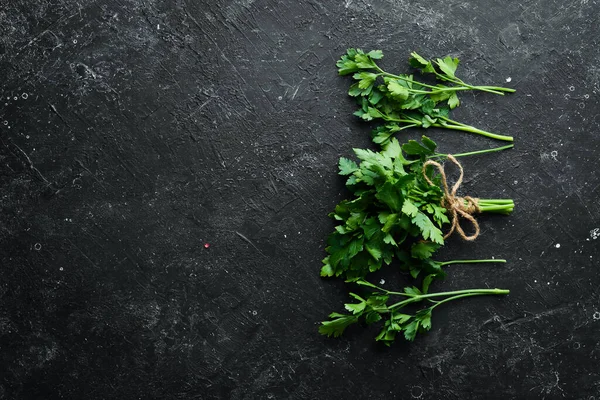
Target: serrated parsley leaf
{"type": "Point", "coordinates": [410, 332]}
{"type": "Point", "coordinates": [372, 317]}
{"type": "Point", "coordinates": [326, 270]}
{"type": "Point", "coordinates": [453, 101]}
{"type": "Point", "coordinates": [347, 166]}
{"type": "Point", "coordinates": [337, 326]}
{"type": "Point", "coordinates": [355, 308]}
{"type": "Point", "coordinates": [430, 144]}
{"type": "Point", "coordinates": [375, 54]}
{"type": "Point", "coordinates": [390, 195]}
{"type": "Point", "coordinates": [397, 90]}
{"type": "Point", "coordinates": [423, 250]}
{"type": "Point", "coordinates": [412, 290]}
{"type": "Point", "coordinates": [409, 208]}
{"type": "Point", "coordinates": [417, 149]}
{"type": "Point", "coordinates": [416, 61]}
{"type": "Point", "coordinates": [428, 229]}
{"type": "Point", "coordinates": [448, 65]}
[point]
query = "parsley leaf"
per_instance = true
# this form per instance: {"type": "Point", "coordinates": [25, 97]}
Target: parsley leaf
{"type": "Point", "coordinates": [347, 166]}
{"type": "Point", "coordinates": [448, 65]}
{"type": "Point", "coordinates": [428, 229]}
{"type": "Point", "coordinates": [423, 250]}
{"type": "Point", "coordinates": [336, 326]}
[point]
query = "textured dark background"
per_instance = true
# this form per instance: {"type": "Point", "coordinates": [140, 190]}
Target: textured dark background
{"type": "Point", "coordinates": [134, 132]}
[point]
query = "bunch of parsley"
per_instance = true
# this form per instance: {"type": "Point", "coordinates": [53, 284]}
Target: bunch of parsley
{"type": "Point", "coordinates": [394, 212]}
{"type": "Point", "coordinates": [401, 101]}
{"type": "Point", "coordinates": [375, 308]}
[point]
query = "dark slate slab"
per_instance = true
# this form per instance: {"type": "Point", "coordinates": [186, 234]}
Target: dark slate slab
{"type": "Point", "coordinates": [167, 167]}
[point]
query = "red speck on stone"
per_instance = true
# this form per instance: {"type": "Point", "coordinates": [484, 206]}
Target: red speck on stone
{"type": "Point", "coordinates": [206, 245]}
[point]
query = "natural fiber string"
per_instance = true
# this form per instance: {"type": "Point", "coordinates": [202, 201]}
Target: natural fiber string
{"type": "Point", "coordinates": [457, 206]}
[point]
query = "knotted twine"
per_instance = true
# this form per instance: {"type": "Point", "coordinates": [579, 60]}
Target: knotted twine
{"type": "Point", "coordinates": [457, 206]}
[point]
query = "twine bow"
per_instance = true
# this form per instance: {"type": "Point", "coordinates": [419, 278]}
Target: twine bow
{"type": "Point", "coordinates": [457, 206]}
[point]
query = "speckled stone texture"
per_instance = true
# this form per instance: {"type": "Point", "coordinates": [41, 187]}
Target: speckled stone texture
{"type": "Point", "coordinates": [166, 170]}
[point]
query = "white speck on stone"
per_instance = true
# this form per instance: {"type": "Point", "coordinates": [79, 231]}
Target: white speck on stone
{"type": "Point", "coordinates": [285, 236]}
{"type": "Point", "coordinates": [595, 233]}
{"type": "Point", "coordinates": [515, 182]}
{"type": "Point", "coordinates": [381, 282]}
{"type": "Point", "coordinates": [280, 98]}
{"type": "Point", "coordinates": [24, 96]}
{"type": "Point", "coordinates": [596, 315]}
{"type": "Point", "coordinates": [254, 312]}
{"type": "Point", "coordinates": [557, 245]}
{"type": "Point", "coordinates": [157, 26]}
{"type": "Point", "coordinates": [37, 246]}
{"type": "Point", "coordinates": [535, 281]}
{"type": "Point", "coordinates": [572, 88]}
{"type": "Point", "coordinates": [61, 269]}
{"type": "Point", "coordinates": [508, 79]}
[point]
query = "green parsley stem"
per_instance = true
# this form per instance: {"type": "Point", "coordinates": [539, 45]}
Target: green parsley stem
{"type": "Point", "coordinates": [474, 130]}
{"type": "Point", "coordinates": [437, 89]}
{"type": "Point", "coordinates": [453, 295]}
{"type": "Point", "coordinates": [453, 122]}
{"type": "Point", "coordinates": [473, 153]}
{"type": "Point", "coordinates": [455, 125]}
{"type": "Point", "coordinates": [496, 201]}
{"type": "Point", "coordinates": [464, 291]}
{"type": "Point", "coordinates": [498, 88]}
{"type": "Point", "coordinates": [493, 260]}
{"type": "Point", "coordinates": [498, 206]}
{"type": "Point", "coordinates": [490, 89]}
{"type": "Point", "coordinates": [382, 72]}
{"type": "Point", "coordinates": [412, 298]}
{"type": "Point", "coordinates": [501, 209]}
{"type": "Point", "coordinates": [452, 125]}
{"type": "Point", "coordinates": [407, 121]}
{"type": "Point", "coordinates": [463, 295]}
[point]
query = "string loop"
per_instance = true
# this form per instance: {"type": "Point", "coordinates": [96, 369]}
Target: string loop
{"type": "Point", "coordinates": [457, 206]}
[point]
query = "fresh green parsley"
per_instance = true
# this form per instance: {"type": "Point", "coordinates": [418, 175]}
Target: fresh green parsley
{"type": "Point", "coordinates": [403, 102]}
{"type": "Point", "coordinates": [376, 308]}
{"type": "Point", "coordinates": [394, 211]}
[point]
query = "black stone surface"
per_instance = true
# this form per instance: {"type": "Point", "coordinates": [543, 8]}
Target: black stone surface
{"type": "Point", "coordinates": [135, 132]}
